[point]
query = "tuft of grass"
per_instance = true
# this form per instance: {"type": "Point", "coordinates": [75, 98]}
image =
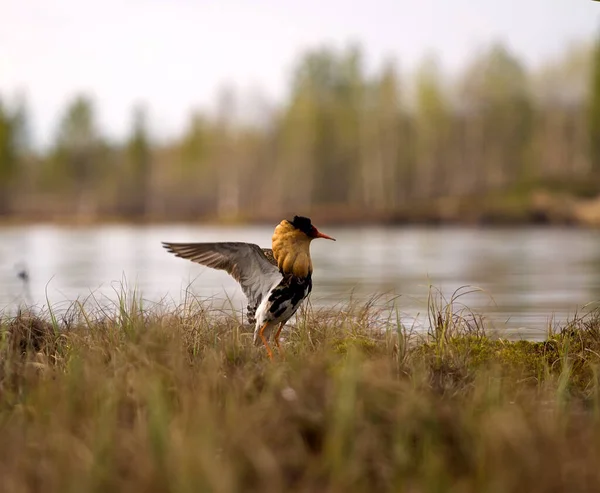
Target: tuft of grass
{"type": "Point", "coordinates": [133, 397]}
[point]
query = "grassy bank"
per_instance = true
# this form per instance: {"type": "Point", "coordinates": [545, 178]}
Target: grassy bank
{"type": "Point", "coordinates": [180, 400]}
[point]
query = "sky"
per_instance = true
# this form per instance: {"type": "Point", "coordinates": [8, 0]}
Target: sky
{"type": "Point", "coordinates": [174, 55]}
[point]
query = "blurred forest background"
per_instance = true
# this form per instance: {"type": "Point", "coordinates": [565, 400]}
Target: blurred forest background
{"type": "Point", "coordinates": [500, 142]}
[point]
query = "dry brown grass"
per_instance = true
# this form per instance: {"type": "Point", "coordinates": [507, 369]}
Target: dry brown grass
{"type": "Point", "coordinates": [180, 400]}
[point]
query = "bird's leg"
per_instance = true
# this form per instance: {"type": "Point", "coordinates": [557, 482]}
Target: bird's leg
{"type": "Point", "coordinates": [264, 340]}
{"type": "Point", "coordinates": [277, 335]}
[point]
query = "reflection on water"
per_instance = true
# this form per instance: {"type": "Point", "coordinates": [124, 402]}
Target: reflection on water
{"type": "Point", "coordinates": [528, 275]}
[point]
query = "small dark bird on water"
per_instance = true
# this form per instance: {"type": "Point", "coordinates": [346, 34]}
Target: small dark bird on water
{"type": "Point", "coordinates": [23, 275]}
{"type": "Point", "coordinates": [275, 280]}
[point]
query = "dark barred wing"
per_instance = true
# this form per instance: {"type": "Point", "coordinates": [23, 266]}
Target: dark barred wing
{"type": "Point", "coordinates": [253, 267]}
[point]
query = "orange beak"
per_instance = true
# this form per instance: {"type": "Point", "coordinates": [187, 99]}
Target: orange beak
{"type": "Point", "coordinates": [318, 234]}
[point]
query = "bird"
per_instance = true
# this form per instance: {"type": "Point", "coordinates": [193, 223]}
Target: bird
{"type": "Point", "coordinates": [23, 275]}
{"type": "Point", "coordinates": [274, 280]}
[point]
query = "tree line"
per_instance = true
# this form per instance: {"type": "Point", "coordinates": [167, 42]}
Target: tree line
{"type": "Point", "coordinates": [344, 143]}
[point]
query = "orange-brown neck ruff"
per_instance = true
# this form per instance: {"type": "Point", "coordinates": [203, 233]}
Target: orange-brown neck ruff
{"type": "Point", "coordinates": [291, 249]}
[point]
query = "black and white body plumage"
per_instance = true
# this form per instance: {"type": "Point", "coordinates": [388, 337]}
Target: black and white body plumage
{"type": "Point", "coordinates": [275, 281]}
{"type": "Point", "coordinates": [281, 303]}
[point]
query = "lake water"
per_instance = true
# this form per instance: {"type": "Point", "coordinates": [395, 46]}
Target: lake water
{"type": "Point", "coordinates": [529, 276]}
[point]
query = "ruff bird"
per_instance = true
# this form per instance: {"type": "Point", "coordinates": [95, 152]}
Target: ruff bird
{"type": "Point", "coordinates": [275, 280]}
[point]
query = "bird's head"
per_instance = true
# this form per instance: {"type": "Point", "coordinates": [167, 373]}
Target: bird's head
{"type": "Point", "coordinates": [291, 241]}
{"type": "Point", "coordinates": [303, 225]}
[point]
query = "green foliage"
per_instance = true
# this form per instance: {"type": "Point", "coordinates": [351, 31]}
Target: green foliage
{"type": "Point", "coordinates": [77, 145]}
{"type": "Point", "coordinates": [139, 164]}
{"type": "Point", "coordinates": [196, 141]}
{"type": "Point", "coordinates": [329, 94]}
{"type": "Point", "coordinates": [349, 142]}
{"type": "Point", "coordinates": [431, 104]}
{"type": "Point", "coordinates": [594, 109]}
{"type": "Point", "coordinates": [8, 147]}
{"type": "Point", "coordinates": [138, 147]}
{"type": "Point", "coordinates": [11, 123]}
{"type": "Point", "coordinates": [496, 89]}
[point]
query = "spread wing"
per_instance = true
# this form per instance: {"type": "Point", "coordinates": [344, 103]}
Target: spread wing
{"type": "Point", "coordinates": [253, 267]}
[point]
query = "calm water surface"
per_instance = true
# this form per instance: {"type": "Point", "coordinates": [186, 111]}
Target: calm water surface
{"type": "Point", "coordinates": [529, 275]}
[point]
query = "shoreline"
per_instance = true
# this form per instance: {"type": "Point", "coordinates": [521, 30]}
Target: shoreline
{"type": "Point", "coordinates": [540, 209]}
